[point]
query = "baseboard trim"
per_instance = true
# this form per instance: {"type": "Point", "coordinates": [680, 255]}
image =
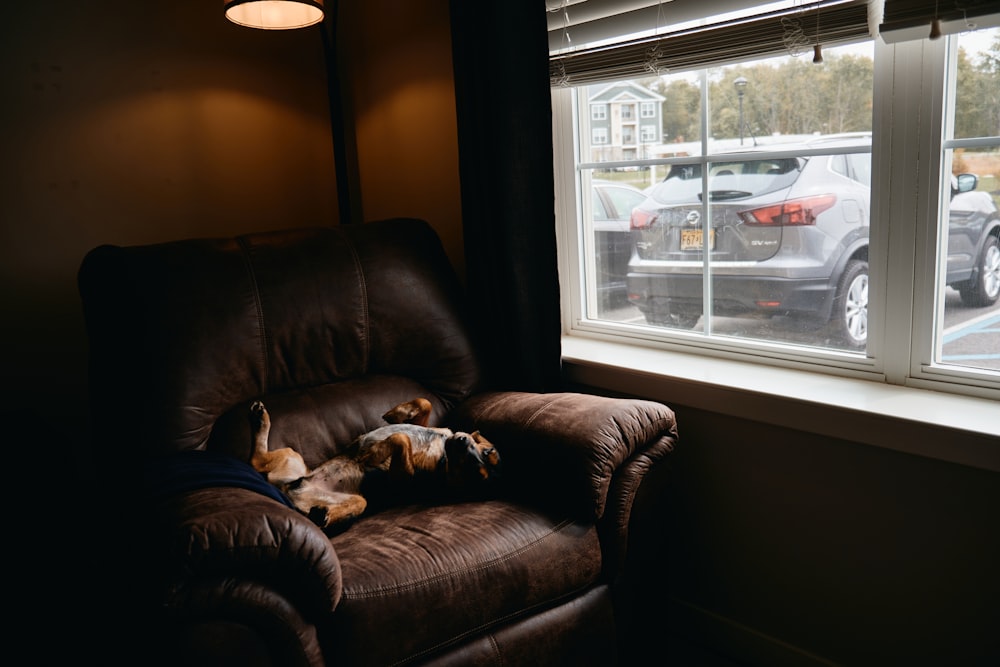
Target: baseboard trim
{"type": "Point", "coordinates": [734, 641]}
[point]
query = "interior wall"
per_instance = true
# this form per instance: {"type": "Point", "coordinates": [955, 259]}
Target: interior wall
{"type": "Point", "coordinates": [402, 92]}
{"type": "Point", "coordinates": [782, 547]}
{"type": "Point", "coordinates": [131, 123]}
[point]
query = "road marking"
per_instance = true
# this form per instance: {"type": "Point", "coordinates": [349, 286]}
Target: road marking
{"type": "Point", "coordinates": [987, 323]}
{"type": "Point", "coordinates": [981, 324]}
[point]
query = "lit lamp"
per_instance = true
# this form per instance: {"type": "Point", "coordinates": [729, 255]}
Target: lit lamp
{"type": "Point", "coordinates": [274, 14]}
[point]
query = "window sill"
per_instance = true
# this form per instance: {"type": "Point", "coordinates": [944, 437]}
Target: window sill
{"type": "Point", "coordinates": [953, 428]}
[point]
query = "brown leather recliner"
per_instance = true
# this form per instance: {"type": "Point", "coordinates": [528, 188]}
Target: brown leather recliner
{"type": "Point", "coordinates": [331, 327]}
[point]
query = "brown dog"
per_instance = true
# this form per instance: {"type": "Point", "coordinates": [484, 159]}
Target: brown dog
{"type": "Point", "coordinates": [333, 493]}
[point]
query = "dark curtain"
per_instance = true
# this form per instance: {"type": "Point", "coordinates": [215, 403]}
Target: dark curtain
{"type": "Point", "coordinates": [508, 202]}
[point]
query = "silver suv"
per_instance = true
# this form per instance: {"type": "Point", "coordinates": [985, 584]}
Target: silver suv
{"type": "Point", "coordinates": [788, 236]}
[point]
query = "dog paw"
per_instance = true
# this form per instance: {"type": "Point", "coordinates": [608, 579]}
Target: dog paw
{"type": "Point", "coordinates": [258, 414]}
{"type": "Point", "coordinates": [375, 454]}
{"type": "Point", "coordinates": [417, 411]}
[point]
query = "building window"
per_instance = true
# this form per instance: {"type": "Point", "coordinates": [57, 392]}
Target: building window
{"type": "Point", "coordinates": [764, 233]}
{"type": "Point", "coordinates": [628, 111]}
{"type": "Point", "coordinates": [599, 135]}
{"type": "Point", "coordinates": [649, 134]}
{"type": "Point", "coordinates": [647, 110]}
{"type": "Point", "coordinates": [599, 111]}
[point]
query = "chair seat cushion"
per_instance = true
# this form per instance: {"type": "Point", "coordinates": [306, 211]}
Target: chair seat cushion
{"type": "Point", "coordinates": [433, 576]}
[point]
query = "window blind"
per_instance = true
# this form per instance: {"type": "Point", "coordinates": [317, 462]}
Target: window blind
{"type": "Point", "coordinates": [576, 23]}
{"type": "Point", "coordinates": [762, 35]}
{"type": "Point", "coordinates": [911, 19]}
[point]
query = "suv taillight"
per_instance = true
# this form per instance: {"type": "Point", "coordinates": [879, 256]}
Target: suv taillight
{"type": "Point", "coordinates": [641, 219]}
{"type": "Point", "coordinates": [792, 212]}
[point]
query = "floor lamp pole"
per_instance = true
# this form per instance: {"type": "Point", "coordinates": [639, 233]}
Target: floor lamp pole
{"type": "Point", "coordinates": [341, 124]}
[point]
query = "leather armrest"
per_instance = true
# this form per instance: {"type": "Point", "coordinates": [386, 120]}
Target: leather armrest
{"type": "Point", "coordinates": [236, 533]}
{"type": "Point", "coordinates": [566, 448]}
{"type": "Point", "coordinates": [233, 622]}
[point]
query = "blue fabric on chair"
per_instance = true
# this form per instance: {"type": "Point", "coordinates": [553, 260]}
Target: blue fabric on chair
{"type": "Point", "coordinates": [194, 469]}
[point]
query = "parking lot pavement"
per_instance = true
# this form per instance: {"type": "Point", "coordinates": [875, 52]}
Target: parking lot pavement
{"type": "Point", "coordinates": [971, 337]}
{"type": "Point", "coordinates": [974, 342]}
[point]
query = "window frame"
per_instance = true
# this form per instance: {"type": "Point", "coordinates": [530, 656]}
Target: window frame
{"type": "Point", "coordinates": [905, 159]}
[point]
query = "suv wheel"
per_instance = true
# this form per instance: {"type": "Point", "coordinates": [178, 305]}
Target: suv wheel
{"type": "Point", "coordinates": [849, 320]}
{"type": "Point", "coordinates": [683, 320]}
{"type": "Point", "coordinates": [673, 320]}
{"type": "Point", "coordinates": [984, 288]}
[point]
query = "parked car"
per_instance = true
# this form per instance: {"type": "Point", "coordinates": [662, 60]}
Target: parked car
{"type": "Point", "coordinates": [612, 207]}
{"type": "Point", "coordinates": [788, 236]}
{"type": "Point", "coordinates": [973, 243]}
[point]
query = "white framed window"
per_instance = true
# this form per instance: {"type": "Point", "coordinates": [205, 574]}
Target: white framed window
{"type": "Point", "coordinates": [649, 133]}
{"type": "Point", "coordinates": [957, 305]}
{"type": "Point", "coordinates": [599, 135]}
{"type": "Point", "coordinates": [599, 111]}
{"type": "Point", "coordinates": [801, 280]}
{"type": "Point", "coordinates": [647, 110]}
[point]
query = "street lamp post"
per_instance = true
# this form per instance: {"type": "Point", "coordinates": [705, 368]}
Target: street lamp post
{"type": "Point", "coordinates": [741, 85]}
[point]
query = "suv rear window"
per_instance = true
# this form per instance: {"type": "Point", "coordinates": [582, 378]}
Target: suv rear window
{"type": "Point", "coordinates": [728, 180]}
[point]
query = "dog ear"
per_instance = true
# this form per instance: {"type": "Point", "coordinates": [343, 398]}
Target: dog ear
{"type": "Point", "coordinates": [486, 449]}
{"type": "Point", "coordinates": [471, 459]}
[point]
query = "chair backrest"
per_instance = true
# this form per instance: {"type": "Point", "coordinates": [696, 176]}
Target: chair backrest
{"type": "Point", "coordinates": [329, 326]}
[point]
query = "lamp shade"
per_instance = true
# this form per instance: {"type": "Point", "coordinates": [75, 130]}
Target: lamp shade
{"type": "Point", "coordinates": [274, 14]}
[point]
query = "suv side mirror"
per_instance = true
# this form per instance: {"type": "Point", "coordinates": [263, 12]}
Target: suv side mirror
{"type": "Point", "coordinates": [966, 183]}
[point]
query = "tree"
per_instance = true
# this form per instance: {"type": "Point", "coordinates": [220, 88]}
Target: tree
{"type": "Point", "coordinates": [794, 96]}
{"type": "Point", "coordinates": [978, 92]}
{"type": "Point", "coordinates": [681, 110]}
{"type": "Point", "coordinates": [797, 96]}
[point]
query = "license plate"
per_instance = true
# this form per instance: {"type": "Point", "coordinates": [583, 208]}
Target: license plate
{"type": "Point", "coordinates": [692, 239]}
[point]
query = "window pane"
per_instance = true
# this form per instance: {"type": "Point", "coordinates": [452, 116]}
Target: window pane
{"type": "Point", "coordinates": [781, 200]}
{"type": "Point", "coordinates": [977, 112]}
{"type": "Point", "coordinates": [968, 325]}
{"type": "Point", "coordinates": [618, 134]}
